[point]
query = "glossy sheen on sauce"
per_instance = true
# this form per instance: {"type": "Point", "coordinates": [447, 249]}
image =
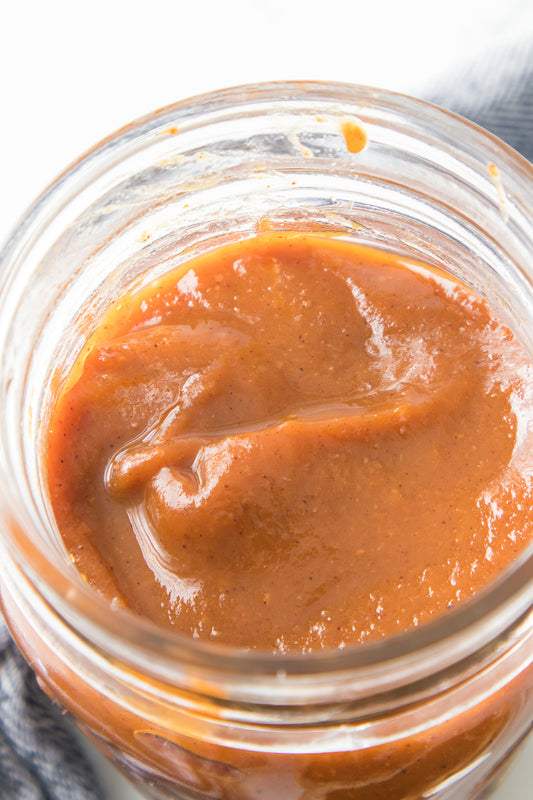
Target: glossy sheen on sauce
{"type": "Point", "coordinates": [293, 443]}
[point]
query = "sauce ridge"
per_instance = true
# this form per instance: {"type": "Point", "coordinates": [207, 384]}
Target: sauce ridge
{"type": "Point", "coordinates": [294, 442]}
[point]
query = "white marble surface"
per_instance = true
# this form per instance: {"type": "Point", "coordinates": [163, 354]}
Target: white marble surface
{"type": "Point", "coordinates": [72, 73]}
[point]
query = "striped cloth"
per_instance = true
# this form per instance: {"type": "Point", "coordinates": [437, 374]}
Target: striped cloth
{"type": "Point", "coordinates": [496, 93]}
{"type": "Point", "coordinates": [39, 757]}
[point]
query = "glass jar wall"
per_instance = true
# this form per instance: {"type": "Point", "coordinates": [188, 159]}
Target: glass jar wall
{"type": "Point", "coordinates": [432, 713]}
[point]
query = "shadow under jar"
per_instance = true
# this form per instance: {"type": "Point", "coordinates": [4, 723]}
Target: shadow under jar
{"type": "Point", "coordinates": [431, 713]}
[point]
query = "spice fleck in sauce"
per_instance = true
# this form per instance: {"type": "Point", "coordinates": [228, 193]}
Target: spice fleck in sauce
{"type": "Point", "coordinates": [293, 443]}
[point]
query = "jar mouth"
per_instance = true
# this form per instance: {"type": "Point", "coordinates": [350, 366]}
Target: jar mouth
{"type": "Point", "coordinates": [496, 614]}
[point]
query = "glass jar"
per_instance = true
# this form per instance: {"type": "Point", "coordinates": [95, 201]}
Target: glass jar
{"type": "Point", "coordinates": [432, 713]}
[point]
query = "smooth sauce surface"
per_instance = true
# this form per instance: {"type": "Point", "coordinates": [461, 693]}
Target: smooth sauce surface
{"type": "Point", "coordinates": [293, 443]}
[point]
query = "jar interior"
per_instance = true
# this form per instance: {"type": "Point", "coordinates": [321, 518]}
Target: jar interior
{"type": "Point", "coordinates": [191, 180]}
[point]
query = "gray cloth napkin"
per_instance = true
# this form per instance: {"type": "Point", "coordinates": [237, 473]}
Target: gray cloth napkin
{"type": "Point", "coordinates": [495, 92]}
{"type": "Point", "coordinates": [39, 757]}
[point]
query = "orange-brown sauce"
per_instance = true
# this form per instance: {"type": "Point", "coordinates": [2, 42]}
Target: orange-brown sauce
{"type": "Point", "coordinates": [293, 443]}
{"type": "Point", "coordinates": [354, 135]}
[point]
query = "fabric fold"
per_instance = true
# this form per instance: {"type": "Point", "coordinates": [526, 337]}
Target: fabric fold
{"type": "Point", "coordinates": [40, 758]}
{"type": "Point", "coordinates": [495, 92]}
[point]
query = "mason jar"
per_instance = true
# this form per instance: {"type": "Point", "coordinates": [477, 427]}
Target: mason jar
{"type": "Point", "coordinates": [432, 713]}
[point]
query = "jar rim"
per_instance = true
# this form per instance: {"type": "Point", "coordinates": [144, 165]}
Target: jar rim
{"type": "Point", "coordinates": [510, 596]}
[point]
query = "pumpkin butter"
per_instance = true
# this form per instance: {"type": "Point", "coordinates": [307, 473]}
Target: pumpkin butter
{"type": "Point", "coordinates": [293, 443]}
